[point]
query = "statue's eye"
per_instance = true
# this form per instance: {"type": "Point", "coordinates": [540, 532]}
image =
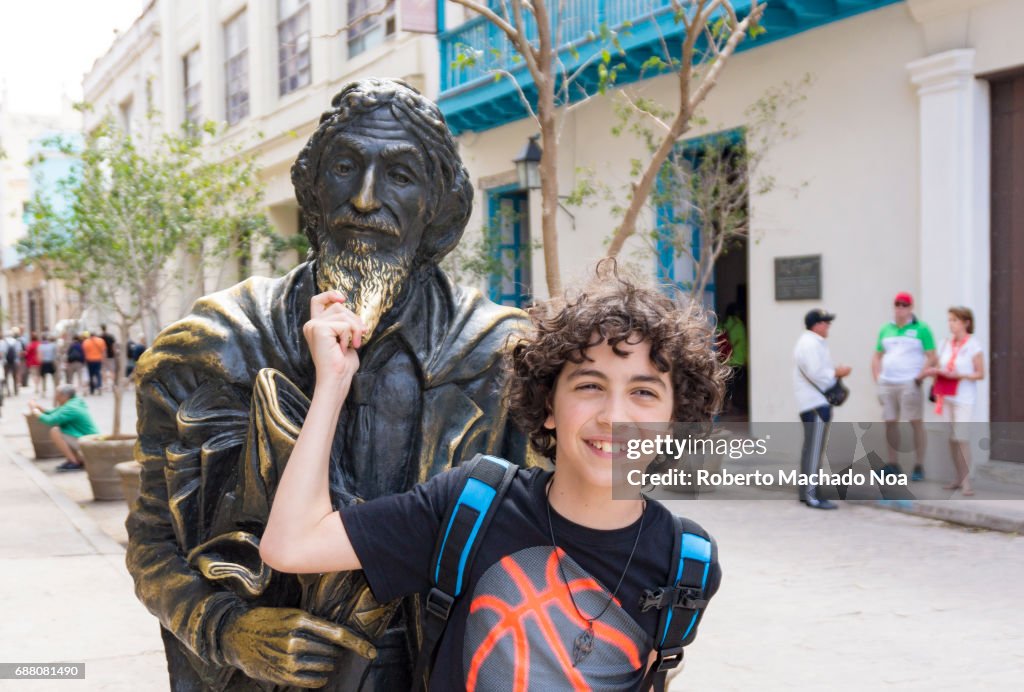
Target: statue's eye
{"type": "Point", "coordinates": [399, 176]}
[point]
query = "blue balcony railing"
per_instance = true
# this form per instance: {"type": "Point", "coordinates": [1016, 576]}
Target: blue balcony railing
{"type": "Point", "coordinates": [471, 54]}
{"type": "Point", "coordinates": [579, 24]}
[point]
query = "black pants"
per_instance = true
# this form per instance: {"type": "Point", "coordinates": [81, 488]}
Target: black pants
{"type": "Point", "coordinates": [95, 376]}
{"type": "Point", "coordinates": [817, 422]}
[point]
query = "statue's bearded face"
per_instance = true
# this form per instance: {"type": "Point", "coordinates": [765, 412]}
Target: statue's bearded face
{"type": "Point", "coordinates": [372, 187]}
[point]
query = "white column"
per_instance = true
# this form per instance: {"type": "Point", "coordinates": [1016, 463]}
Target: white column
{"type": "Point", "coordinates": [262, 19]}
{"type": "Point", "coordinates": [955, 235]}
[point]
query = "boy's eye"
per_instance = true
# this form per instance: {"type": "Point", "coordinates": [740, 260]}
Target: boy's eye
{"type": "Point", "coordinates": [585, 386]}
{"type": "Point", "coordinates": [647, 393]}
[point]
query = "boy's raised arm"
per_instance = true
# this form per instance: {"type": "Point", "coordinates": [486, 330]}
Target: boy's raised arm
{"type": "Point", "coordinates": [304, 534]}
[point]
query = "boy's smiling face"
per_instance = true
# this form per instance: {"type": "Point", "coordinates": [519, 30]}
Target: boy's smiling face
{"type": "Point", "coordinates": [589, 397]}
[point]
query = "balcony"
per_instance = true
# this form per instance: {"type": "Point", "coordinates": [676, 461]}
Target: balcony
{"type": "Point", "coordinates": [476, 97]}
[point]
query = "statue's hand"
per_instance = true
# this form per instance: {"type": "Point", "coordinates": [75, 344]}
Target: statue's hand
{"type": "Point", "coordinates": [288, 646]}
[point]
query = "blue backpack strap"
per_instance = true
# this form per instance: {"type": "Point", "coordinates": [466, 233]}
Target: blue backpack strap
{"type": "Point", "coordinates": [682, 602]}
{"type": "Point", "coordinates": [458, 541]}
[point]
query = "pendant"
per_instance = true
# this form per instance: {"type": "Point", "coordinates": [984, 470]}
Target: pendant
{"type": "Point", "coordinates": [583, 645]}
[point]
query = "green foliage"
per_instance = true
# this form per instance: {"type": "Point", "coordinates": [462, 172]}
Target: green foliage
{"type": "Point", "coordinates": [480, 259]}
{"type": "Point", "coordinates": [129, 206]}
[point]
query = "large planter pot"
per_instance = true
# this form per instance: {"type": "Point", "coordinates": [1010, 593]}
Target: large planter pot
{"type": "Point", "coordinates": [42, 444]}
{"type": "Point", "coordinates": [130, 474]}
{"type": "Point", "coordinates": [102, 453]}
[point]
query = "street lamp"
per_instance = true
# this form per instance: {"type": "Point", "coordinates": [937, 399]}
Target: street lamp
{"type": "Point", "coordinates": [528, 165]}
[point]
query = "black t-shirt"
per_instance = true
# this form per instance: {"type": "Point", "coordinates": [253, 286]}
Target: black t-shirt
{"type": "Point", "coordinates": [514, 619]}
{"type": "Point", "coordinates": [109, 338]}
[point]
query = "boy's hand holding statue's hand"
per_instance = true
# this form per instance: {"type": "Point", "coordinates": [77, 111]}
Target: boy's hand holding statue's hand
{"type": "Point", "coordinates": [333, 333]}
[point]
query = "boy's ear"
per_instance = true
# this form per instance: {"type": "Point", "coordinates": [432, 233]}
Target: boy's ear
{"type": "Point", "coordinates": [549, 422]}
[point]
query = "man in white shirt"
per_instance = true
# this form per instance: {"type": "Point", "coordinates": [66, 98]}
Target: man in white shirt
{"type": "Point", "coordinates": [813, 375]}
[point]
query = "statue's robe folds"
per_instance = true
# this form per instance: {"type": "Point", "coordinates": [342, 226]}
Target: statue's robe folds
{"type": "Point", "coordinates": [221, 398]}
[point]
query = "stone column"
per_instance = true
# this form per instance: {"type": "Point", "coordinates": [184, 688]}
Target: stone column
{"type": "Point", "coordinates": [954, 194]}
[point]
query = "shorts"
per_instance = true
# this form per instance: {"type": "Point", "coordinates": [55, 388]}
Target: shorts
{"type": "Point", "coordinates": [901, 401]}
{"type": "Point", "coordinates": [958, 416]}
{"type": "Point", "coordinates": [73, 444]}
{"type": "Point", "coordinates": [47, 369]}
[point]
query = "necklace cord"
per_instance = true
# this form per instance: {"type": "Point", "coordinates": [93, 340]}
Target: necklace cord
{"type": "Point", "coordinates": [561, 570]}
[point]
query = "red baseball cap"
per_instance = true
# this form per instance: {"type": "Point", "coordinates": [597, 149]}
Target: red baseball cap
{"type": "Point", "coordinates": [903, 297]}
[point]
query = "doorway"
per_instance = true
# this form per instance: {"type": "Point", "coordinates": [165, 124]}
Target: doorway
{"type": "Point", "coordinates": [702, 206]}
{"type": "Point", "coordinates": [507, 241]}
{"type": "Point", "coordinates": [1007, 287]}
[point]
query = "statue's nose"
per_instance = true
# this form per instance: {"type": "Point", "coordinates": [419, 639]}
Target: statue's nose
{"type": "Point", "coordinates": [365, 200]}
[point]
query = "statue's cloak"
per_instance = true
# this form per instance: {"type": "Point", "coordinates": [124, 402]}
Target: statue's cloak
{"type": "Point", "coordinates": [221, 397]}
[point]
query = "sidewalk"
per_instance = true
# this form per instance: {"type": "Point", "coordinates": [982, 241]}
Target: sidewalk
{"type": "Point", "coordinates": [65, 594]}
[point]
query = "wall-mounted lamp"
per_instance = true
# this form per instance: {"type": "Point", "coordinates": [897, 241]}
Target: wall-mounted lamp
{"type": "Point", "coordinates": [528, 165]}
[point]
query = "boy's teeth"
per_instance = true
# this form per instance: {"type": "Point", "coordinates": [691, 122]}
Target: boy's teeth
{"type": "Point", "coordinates": [606, 446]}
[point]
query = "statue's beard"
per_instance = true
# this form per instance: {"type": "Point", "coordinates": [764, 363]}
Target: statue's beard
{"type": "Point", "coordinates": [370, 279]}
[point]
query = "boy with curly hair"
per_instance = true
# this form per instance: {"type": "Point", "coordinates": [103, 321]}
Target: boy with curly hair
{"type": "Point", "coordinates": [554, 596]}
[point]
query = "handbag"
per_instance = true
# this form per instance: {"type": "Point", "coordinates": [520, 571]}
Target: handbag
{"type": "Point", "coordinates": [835, 395]}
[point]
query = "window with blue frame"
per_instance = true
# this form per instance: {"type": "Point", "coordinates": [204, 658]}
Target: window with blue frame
{"type": "Point", "coordinates": [701, 204]}
{"type": "Point", "coordinates": [508, 238]}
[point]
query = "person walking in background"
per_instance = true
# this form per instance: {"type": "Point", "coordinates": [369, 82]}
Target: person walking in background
{"type": "Point", "coordinates": [134, 351]}
{"type": "Point", "coordinates": [75, 359]}
{"type": "Point", "coordinates": [961, 365]}
{"type": "Point", "coordinates": [905, 348]}
{"type": "Point", "coordinates": [10, 349]}
{"type": "Point", "coordinates": [48, 362]}
{"type": "Point", "coordinates": [69, 420]}
{"type": "Point", "coordinates": [95, 350]}
{"type": "Point", "coordinates": [813, 375]}
{"type": "Point", "coordinates": [110, 357]}
{"type": "Point", "coordinates": [32, 361]}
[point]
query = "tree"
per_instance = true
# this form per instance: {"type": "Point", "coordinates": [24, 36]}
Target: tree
{"type": "Point", "coordinates": [129, 208]}
{"type": "Point", "coordinates": [534, 29]}
{"type": "Point", "coordinates": [702, 192]}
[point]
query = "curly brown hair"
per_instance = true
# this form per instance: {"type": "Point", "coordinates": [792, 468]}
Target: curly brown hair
{"type": "Point", "coordinates": [614, 309]}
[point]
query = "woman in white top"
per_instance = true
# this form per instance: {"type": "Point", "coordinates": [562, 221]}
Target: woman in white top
{"type": "Point", "coordinates": [960, 367]}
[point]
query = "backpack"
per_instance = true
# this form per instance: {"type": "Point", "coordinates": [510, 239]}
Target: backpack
{"type": "Point", "coordinates": [681, 601]}
{"type": "Point", "coordinates": [75, 353]}
{"type": "Point", "coordinates": [11, 352]}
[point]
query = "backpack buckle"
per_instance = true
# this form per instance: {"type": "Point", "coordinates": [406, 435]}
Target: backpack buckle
{"type": "Point", "coordinates": [439, 604]}
{"type": "Point", "coordinates": [668, 658]}
{"type": "Point", "coordinates": [654, 598]}
{"type": "Point", "coordinates": [690, 598]}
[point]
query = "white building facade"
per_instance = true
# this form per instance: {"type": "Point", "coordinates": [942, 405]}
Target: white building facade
{"type": "Point", "coordinates": [899, 176]}
{"type": "Point", "coordinates": [909, 112]}
{"type": "Point", "coordinates": [267, 69]}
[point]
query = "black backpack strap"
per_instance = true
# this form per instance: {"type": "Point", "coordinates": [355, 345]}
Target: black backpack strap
{"type": "Point", "coordinates": [464, 524]}
{"type": "Point", "coordinates": [682, 602]}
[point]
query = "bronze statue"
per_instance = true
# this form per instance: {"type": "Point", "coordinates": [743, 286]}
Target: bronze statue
{"type": "Point", "coordinates": [223, 392]}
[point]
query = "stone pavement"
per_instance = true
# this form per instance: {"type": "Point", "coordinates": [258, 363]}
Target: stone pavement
{"type": "Point", "coordinates": [854, 599]}
{"type": "Point", "coordinates": [65, 595]}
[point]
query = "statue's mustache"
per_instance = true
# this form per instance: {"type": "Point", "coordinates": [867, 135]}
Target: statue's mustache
{"type": "Point", "coordinates": [380, 221]}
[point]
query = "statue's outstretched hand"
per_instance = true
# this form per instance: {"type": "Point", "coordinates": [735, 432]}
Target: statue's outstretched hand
{"type": "Point", "coordinates": [288, 646]}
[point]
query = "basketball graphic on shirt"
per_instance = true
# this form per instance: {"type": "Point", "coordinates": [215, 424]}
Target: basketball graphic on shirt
{"type": "Point", "coordinates": [522, 628]}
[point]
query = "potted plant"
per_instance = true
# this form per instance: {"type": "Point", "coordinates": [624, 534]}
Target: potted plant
{"type": "Point", "coordinates": [130, 475]}
{"type": "Point", "coordinates": [102, 453]}
{"type": "Point", "coordinates": [42, 443]}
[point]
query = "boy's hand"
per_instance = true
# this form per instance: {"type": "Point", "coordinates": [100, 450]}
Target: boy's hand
{"type": "Point", "coordinates": [333, 333]}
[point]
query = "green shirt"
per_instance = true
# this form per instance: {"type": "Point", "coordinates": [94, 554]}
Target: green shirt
{"type": "Point", "coordinates": [737, 333]}
{"type": "Point", "coordinates": [903, 350]}
{"type": "Point", "coordinates": [72, 417]}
